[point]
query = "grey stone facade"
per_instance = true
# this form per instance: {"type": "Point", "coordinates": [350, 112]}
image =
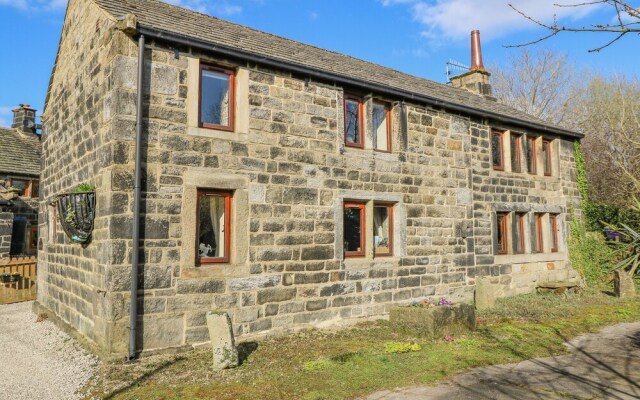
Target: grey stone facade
{"type": "Point", "coordinates": [290, 174]}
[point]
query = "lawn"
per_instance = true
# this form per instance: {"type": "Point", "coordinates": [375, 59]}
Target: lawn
{"type": "Point", "coordinates": [353, 362]}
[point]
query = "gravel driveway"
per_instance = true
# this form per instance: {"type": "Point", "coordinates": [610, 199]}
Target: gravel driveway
{"type": "Point", "coordinates": [38, 360]}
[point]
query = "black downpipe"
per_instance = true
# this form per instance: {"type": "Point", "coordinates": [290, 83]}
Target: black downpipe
{"type": "Point", "coordinates": [137, 194]}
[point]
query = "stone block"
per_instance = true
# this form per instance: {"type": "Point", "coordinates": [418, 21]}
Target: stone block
{"type": "Point", "coordinates": [623, 285]}
{"type": "Point", "coordinates": [486, 294]}
{"type": "Point", "coordinates": [186, 286]}
{"type": "Point", "coordinates": [252, 283]}
{"type": "Point", "coordinates": [225, 353]}
{"type": "Point", "coordinates": [276, 295]}
{"type": "Point", "coordinates": [161, 331]}
{"type": "Point", "coordinates": [433, 322]}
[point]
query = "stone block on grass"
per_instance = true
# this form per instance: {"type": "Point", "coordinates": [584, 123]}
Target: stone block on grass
{"type": "Point", "coordinates": [486, 294]}
{"type": "Point", "coordinates": [623, 285]}
{"type": "Point", "coordinates": [433, 322]}
{"type": "Point", "coordinates": [225, 352]}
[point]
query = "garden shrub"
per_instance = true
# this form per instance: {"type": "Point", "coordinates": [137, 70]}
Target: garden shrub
{"type": "Point", "coordinates": [589, 254]}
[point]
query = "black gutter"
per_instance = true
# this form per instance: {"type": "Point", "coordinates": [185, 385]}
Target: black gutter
{"type": "Point", "coordinates": [357, 83]}
{"type": "Point", "coordinates": [137, 194]}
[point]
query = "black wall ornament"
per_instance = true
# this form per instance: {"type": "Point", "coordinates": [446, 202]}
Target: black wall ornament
{"type": "Point", "coordinates": [76, 212]}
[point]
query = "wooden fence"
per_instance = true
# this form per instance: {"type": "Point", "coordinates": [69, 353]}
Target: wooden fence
{"type": "Point", "coordinates": [18, 276]}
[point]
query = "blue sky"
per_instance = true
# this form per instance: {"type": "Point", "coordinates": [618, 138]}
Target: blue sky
{"type": "Point", "coordinates": [414, 36]}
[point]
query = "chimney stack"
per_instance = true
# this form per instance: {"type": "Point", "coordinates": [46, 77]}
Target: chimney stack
{"type": "Point", "coordinates": [477, 80]}
{"type": "Point", "coordinates": [24, 119]}
{"type": "Point", "coordinates": [476, 52]}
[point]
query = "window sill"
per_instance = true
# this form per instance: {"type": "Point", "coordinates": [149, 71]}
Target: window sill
{"type": "Point", "coordinates": [217, 270]}
{"type": "Point", "coordinates": [217, 134]}
{"type": "Point", "coordinates": [380, 262]}
{"type": "Point", "coordinates": [378, 154]}
{"type": "Point", "coordinates": [529, 258]}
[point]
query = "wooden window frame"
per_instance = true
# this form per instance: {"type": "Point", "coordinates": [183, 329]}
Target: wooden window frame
{"type": "Point", "coordinates": [387, 108]}
{"type": "Point", "coordinates": [548, 165]}
{"type": "Point", "coordinates": [518, 149]}
{"type": "Point", "coordinates": [553, 221]}
{"type": "Point", "coordinates": [34, 183]}
{"type": "Point", "coordinates": [32, 229]}
{"type": "Point", "coordinates": [520, 233]}
{"type": "Point", "coordinates": [531, 141]}
{"type": "Point", "coordinates": [360, 101]}
{"type": "Point", "coordinates": [232, 98]}
{"type": "Point", "coordinates": [227, 226]}
{"type": "Point", "coordinates": [539, 232]}
{"type": "Point", "coordinates": [389, 207]}
{"type": "Point", "coordinates": [503, 228]}
{"type": "Point", "coordinates": [27, 186]}
{"type": "Point", "coordinates": [495, 132]}
{"type": "Point", "coordinates": [363, 233]}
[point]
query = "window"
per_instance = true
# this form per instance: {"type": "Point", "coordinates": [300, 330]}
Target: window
{"type": "Point", "coordinates": [530, 152]}
{"type": "Point", "coordinates": [353, 121]}
{"type": "Point", "coordinates": [502, 244]}
{"type": "Point", "coordinates": [354, 233]}
{"type": "Point", "coordinates": [26, 187]}
{"type": "Point", "coordinates": [381, 123]}
{"type": "Point", "coordinates": [213, 226]}
{"type": "Point", "coordinates": [22, 185]}
{"type": "Point", "coordinates": [33, 238]}
{"type": "Point", "coordinates": [382, 229]}
{"type": "Point", "coordinates": [553, 235]}
{"type": "Point", "coordinates": [516, 157]}
{"type": "Point", "coordinates": [35, 189]}
{"type": "Point", "coordinates": [546, 157]}
{"type": "Point", "coordinates": [497, 154]}
{"type": "Point", "coordinates": [518, 242]}
{"type": "Point", "coordinates": [539, 233]}
{"type": "Point", "coordinates": [216, 98]}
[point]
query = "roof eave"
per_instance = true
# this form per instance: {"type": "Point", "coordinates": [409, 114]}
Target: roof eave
{"type": "Point", "coordinates": [324, 75]}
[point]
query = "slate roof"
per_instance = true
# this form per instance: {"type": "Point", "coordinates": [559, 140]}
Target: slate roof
{"type": "Point", "coordinates": [180, 22]}
{"type": "Point", "coordinates": [19, 153]}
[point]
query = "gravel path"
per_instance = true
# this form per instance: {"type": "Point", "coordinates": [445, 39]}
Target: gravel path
{"type": "Point", "coordinates": [604, 365]}
{"type": "Point", "coordinates": [38, 360]}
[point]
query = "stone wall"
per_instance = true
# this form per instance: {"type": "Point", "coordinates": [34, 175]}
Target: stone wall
{"type": "Point", "coordinates": [77, 148]}
{"type": "Point", "coordinates": [290, 174]}
{"type": "Point", "coordinates": [6, 227]}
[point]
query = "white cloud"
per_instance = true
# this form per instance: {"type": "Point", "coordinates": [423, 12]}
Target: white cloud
{"type": "Point", "coordinates": [221, 8]}
{"type": "Point", "coordinates": [455, 19]}
{"type": "Point", "coordinates": [6, 116]}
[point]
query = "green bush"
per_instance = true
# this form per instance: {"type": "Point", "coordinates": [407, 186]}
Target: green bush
{"type": "Point", "coordinates": [597, 216]}
{"type": "Point", "coordinates": [590, 255]}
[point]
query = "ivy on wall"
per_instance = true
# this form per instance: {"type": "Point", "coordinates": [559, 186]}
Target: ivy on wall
{"type": "Point", "coordinates": [581, 172]}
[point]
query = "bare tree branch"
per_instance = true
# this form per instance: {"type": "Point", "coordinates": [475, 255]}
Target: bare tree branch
{"type": "Point", "coordinates": [621, 8]}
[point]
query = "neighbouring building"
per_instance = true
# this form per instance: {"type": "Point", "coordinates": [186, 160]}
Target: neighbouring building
{"type": "Point", "coordinates": [291, 186]}
{"type": "Point", "coordinates": [19, 184]}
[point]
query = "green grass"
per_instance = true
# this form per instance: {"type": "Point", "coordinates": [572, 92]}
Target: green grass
{"type": "Point", "coordinates": [319, 365]}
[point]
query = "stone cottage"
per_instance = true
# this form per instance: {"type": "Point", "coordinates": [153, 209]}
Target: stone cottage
{"type": "Point", "coordinates": [19, 184]}
{"type": "Point", "coordinates": [288, 185]}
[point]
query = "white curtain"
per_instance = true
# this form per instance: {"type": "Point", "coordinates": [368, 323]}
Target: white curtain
{"type": "Point", "coordinates": [381, 225]}
{"type": "Point", "coordinates": [216, 210]}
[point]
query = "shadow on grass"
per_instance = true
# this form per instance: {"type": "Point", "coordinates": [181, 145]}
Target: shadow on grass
{"type": "Point", "coordinates": [597, 368]}
{"type": "Point", "coordinates": [245, 349]}
{"type": "Point", "coordinates": [142, 378]}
